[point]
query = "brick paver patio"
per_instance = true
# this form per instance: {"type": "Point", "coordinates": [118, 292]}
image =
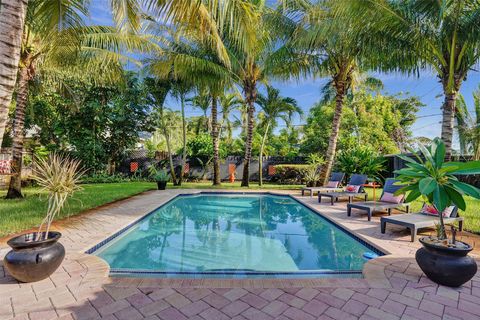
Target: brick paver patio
{"type": "Point", "coordinates": [393, 286]}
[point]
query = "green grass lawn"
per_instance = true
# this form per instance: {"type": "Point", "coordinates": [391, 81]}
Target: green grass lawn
{"type": "Point", "coordinates": [22, 214]}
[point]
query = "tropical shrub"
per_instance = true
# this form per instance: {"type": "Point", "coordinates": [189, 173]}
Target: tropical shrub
{"type": "Point", "coordinates": [104, 177]}
{"type": "Point", "coordinates": [293, 173]}
{"type": "Point", "coordinates": [362, 160]}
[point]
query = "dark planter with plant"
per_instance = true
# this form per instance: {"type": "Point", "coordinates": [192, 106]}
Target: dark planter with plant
{"type": "Point", "coordinates": [160, 176]}
{"type": "Point", "coordinates": [445, 261]}
{"type": "Point", "coordinates": [36, 255]}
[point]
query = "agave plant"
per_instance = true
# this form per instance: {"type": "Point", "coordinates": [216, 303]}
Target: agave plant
{"type": "Point", "coordinates": [59, 176]}
{"type": "Point", "coordinates": [431, 178]}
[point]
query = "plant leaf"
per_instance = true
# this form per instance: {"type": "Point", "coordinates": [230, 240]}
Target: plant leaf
{"type": "Point", "coordinates": [440, 154]}
{"type": "Point", "coordinates": [466, 188]}
{"type": "Point", "coordinates": [413, 195]}
{"type": "Point", "coordinates": [465, 168]}
{"type": "Point", "coordinates": [440, 198]}
{"type": "Point", "coordinates": [456, 198]}
{"type": "Point", "coordinates": [427, 185]}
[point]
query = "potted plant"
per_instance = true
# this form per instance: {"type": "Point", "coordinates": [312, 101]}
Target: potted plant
{"type": "Point", "coordinates": [443, 260]}
{"type": "Point", "coordinates": [160, 176]}
{"type": "Point", "coordinates": [311, 175]}
{"type": "Point", "coordinates": [36, 255]}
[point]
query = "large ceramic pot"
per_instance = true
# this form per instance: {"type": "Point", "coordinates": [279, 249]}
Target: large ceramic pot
{"type": "Point", "coordinates": [162, 185]}
{"type": "Point", "coordinates": [31, 260]}
{"type": "Point", "coordinates": [446, 266]}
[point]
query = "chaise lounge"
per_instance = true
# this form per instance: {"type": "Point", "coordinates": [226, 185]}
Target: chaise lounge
{"type": "Point", "coordinates": [333, 184]}
{"type": "Point", "coordinates": [415, 221]}
{"type": "Point", "coordinates": [387, 201]}
{"type": "Point", "coordinates": [353, 189]}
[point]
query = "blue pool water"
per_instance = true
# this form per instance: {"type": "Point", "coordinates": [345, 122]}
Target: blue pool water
{"type": "Point", "coordinates": [234, 234]}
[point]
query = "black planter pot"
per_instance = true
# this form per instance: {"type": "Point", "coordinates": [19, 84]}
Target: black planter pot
{"type": "Point", "coordinates": [450, 267]}
{"type": "Point", "coordinates": [31, 260]}
{"type": "Point", "coordinates": [162, 185]}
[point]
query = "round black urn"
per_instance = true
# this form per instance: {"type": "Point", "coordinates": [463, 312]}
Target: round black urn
{"type": "Point", "coordinates": [32, 260]}
{"type": "Point", "coordinates": [447, 266]}
{"type": "Point", "coordinates": [162, 185]}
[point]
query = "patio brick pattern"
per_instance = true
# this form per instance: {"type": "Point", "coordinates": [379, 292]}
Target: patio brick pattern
{"type": "Point", "coordinates": [393, 286]}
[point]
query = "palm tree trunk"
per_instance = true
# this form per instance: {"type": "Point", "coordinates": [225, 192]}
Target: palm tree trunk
{"type": "Point", "coordinates": [260, 158]}
{"type": "Point", "coordinates": [448, 117]}
{"type": "Point", "coordinates": [215, 140]}
{"type": "Point", "coordinates": [250, 90]}
{"type": "Point", "coordinates": [12, 18]}
{"type": "Point", "coordinates": [15, 186]}
{"type": "Point", "coordinates": [341, 89]}
{"type": "Point", "coordinates": [184, 138]}
{"type": "Point", "coordinates": [170, 156]}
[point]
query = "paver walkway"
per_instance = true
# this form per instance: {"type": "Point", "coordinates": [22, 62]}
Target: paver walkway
{"type": "Point", "coordinates": [394, 287]}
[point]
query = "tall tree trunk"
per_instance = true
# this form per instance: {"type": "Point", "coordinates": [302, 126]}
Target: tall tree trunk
{"type": "Point", "coordinates": [184, 138]}
{"type": "Point", "coordinates": [170, 156]}
{"type": "Point", "coordinates": [250, 90]}
{"type": "Point", "coordinates": [216, 142]}
{"type": "Point", "coordinates": [15, 187]}
{"type": "Point", "coordinates": [12, 18]}
{"type": "Point", "coordinates": [260, 158]}
{"type": "Point", "coordinates": [448, 117]}
{"type": "Point", "coordinates": [341, 90]}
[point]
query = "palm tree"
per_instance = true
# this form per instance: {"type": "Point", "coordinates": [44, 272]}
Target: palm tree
{"type": "Point", "coordinates": [274, 107]}
{"type": "Point", "coordinates": [204, 16]}
{"type": "Point", "coordinates": [229, 103]}
{"type": "Point", "coordinates": [55, 46]}
{"type": "Point", "coordinates": [157, 94]}
{"type": "Point", "coordinates": [411, 35]}
{"type": "Point", "coordinates": [338, 56]}
{"type": "Point", "coordinates": [12, 15]}
{"type": "Point", "coordinates": [202, 101]}
{"type": "Point", "coordinates": [265, 59]}
{"type": "Point", "coordinates": [468, 126]}
{"type": "Point", "coordinates": [186, 58]}
{"type": "Point", "coordinates": [179, 91]}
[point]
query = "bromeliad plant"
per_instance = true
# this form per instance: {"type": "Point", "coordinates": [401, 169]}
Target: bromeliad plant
{"type": "Point", "coordinates": [59, 176]}
{"type": "Point", "coordinates": [434, 180]}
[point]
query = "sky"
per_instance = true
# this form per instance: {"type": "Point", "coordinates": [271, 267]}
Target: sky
{"type": "Point", "coordinates": [307, 91]}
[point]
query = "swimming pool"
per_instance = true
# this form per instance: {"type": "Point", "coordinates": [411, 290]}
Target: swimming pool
{"type": "Point", "coordinates": [234, 235]}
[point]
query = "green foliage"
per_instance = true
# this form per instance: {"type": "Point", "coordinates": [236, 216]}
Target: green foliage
{"type": "Point", "coordinates": [435, 181]}
{"type": "Point", "coordinates": [158, 175]}
{"type": "Point", "coordinates": [362, 160]}
{"type": "Point", "coordinates": [315, 159]}
{"type": "Point", "coordinates": [380, 121]}
{"type": "Point", "coordinates": [97, 124]}
{"type": "Point", "coordinates": [201, 146]}
{"type": "Point", "coordinates": [293, 173]}
{"type": "Point", "coordinates": [103, 177]}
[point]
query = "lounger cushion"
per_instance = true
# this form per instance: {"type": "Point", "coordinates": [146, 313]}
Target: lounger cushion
{"type": "Point", "coordinates": [352, 188]}
{"type": "Point", "coordinates": [431, 211]}
{"type": "Point", "coordinates": [390, 197]}
{"type": "Point", "coordinates": [333, 184]}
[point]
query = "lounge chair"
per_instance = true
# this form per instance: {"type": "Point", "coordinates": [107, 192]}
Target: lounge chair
{"type": "Point", "coordinates": [356, 181]}
{"type": "Point", "coordinates": [371, 206]}
{"type": "Point", "coordinates": [336, 177]}
{"type": "Point", "coordinates": [415, 221]}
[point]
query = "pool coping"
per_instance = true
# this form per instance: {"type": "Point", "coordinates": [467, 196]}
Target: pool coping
{"type": "Point", "coordinates": [116, 273]}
